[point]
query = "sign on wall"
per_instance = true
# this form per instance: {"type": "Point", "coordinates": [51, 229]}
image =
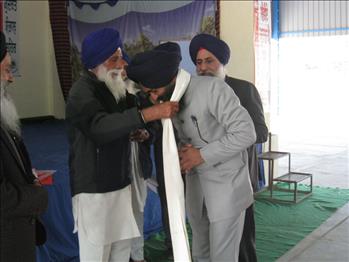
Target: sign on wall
{"type": "Point", "coordinates": [8, 24]}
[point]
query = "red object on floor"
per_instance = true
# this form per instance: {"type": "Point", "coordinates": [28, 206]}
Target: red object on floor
{"type": "Point", "coordinates": [45, 176]}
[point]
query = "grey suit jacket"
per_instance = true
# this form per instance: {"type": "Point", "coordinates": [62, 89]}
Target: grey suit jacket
{"type": "Point", "coordinates": [212, 119]}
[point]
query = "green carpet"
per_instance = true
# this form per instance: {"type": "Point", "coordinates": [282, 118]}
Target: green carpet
{"type": "Point", "coordinates": [279, 226]}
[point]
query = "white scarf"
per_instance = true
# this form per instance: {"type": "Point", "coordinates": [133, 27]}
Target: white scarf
{"type": "Point", "coordinates": [173, 179]}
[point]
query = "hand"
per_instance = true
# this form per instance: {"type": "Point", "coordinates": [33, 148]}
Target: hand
{"type": "Point", "coordinates": [189, 157]}
{"type": "Point", "coordinates": [164, 110]}
{"type": "Point", "coordinates": [139, 135]}
{"type": "Point", "coordinates": [36, 182]}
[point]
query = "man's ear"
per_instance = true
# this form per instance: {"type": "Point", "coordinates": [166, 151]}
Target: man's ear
{"type": "Point", "coordinates": [93, 70]}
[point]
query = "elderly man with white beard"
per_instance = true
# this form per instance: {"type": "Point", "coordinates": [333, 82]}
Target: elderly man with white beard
{"type": "Point", "coordinates": [102, 118]}
{"type": "Point", "coordinates": [22, 198]}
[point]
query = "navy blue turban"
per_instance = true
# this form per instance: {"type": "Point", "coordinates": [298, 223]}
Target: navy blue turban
{"type": "Point", "coordinates": [154, 69]}
{"type": "Point", "coordinates": [98, 46]}
{"type": "Point", "coordinates": [170, 47]}
{"type": "Point", "coordinates": [212, 44]}
{"type": "Point", "coordinates": [3, 49]}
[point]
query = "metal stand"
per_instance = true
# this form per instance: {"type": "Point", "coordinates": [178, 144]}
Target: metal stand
{"type": "Point", "coordinates": [291, 178]}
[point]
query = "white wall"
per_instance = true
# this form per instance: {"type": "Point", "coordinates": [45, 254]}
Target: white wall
{"type": "Point", "coordinates": [237, 31]}
{"type": "Point", "coordinates": [36, 92]}
{"type": "Point", "coordinates": [57, 101]}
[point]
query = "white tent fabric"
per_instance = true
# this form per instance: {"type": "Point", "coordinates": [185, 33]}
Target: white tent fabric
{"type": "Point", "coordinates": [173, 179]}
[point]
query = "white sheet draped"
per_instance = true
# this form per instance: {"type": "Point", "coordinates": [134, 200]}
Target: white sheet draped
{"type": "Point", "coordinates": [138, 185]}
{"type": "Point", "coordinates": [173, 179]}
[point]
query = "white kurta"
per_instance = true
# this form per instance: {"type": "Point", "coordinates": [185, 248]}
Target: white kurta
{"type": "Point", "coordinates": [109, 217]}
{"type": "Point", "coordinates": [105, 217]}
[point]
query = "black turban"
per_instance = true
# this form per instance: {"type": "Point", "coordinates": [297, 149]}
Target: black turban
{"type": "Point", "coordinates": [154, 69]}
{"type": "Point", "coordinates": [3, 46]}
{"type": "Point", "coordinates": [170, 47]}
{"type": "Point", "coordinates": [212, 44]}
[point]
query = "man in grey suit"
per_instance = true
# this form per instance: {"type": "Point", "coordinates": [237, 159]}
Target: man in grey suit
{"type": "Point", "coordinates": [210, 55]}
{"type": "Point", "coordinates": [214, 131]}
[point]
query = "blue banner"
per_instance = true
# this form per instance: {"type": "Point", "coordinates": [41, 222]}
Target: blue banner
{"type": "Point", "coordinates": [142, 24]}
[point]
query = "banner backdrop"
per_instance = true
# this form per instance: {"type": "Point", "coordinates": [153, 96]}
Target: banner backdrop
{"type": "Point", "coordinates": [262, 46]}
{"type": "Point", "coordinates": [8, 24]}
{"type": "Point", "coordinates": [142, 24]}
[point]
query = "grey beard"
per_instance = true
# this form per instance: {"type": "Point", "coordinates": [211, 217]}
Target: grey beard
{"type": "Point", "coordinates": [8, 112]}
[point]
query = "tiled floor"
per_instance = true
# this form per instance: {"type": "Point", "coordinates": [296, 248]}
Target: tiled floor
{"type": "Point", "coordinates": [329, 242]}
{"type": "Point", "coordinates": [328, 161]}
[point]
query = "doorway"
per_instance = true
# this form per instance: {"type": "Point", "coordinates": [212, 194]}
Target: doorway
{"type": "Point", "coordinates": [311, 106]}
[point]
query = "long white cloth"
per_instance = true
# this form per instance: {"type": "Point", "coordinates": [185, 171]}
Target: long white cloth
{"type": "Point", "coordinates": [139, 195]}
{"type": "Point", "coordinates": [138, 185]}
{"type": "Point", "coordinates": [173, 179]}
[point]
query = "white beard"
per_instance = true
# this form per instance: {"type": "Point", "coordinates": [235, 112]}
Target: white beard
{"type": "Point", "coordinates": [220, 73]}
{"type": "Point", "coordinates": [114, 81]}
{"type": "Point", "coordinates": [131, 86]}
{"type": "Point", "coordinates": [9, 115]}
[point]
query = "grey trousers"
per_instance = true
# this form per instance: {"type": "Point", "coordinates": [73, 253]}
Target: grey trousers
{"type": "Point", "coordinates": [216, 241]}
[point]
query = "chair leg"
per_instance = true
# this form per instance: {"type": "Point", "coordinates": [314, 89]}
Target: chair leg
{"type": "Point", "coordinates": [271, 178]}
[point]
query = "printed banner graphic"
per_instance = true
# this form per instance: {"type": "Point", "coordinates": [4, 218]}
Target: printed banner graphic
{"type": "Point", "coordinates": [262, 47]}
{"type": "Point", "coordinates": [141, 24]}
{"type": "Point", "coordinates": [8, 25]}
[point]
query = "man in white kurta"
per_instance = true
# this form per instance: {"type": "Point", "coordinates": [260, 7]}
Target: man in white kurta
{"type": "Point", "coordinates": [101, 115]}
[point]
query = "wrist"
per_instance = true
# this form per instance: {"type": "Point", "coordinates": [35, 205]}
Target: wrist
{"type": "Point", "coordinates": [147, 114]}
{"type": "Point", "coordinates": [141, 116]}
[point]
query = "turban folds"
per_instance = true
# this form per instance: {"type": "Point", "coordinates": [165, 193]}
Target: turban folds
{"type": "Point", "coordinates": [98, 46]}
{"type": "Point", "coordinates": [170, 47]}
{"type": "Point", "coordinates": [3, 46]}
{"type": "Point", "coordinates": [212, 44]}
{"type": "Point", "coordinates": [154, 69]}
